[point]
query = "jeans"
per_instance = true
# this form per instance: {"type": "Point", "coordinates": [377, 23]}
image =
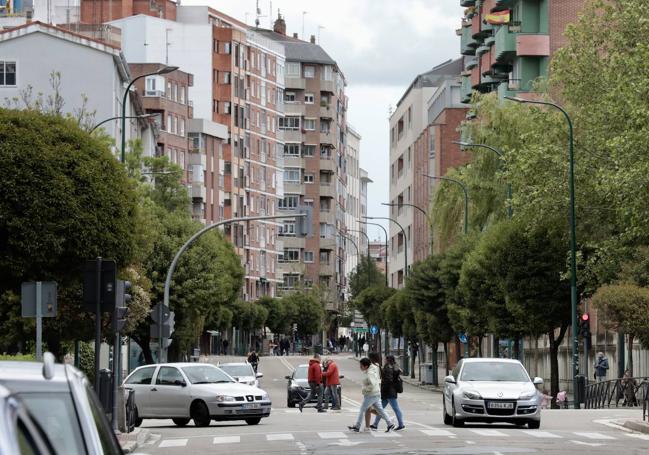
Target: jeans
{"type": "Point", "coordinates": [331, 390]}
{"type": "Point", "coordinates": [368, 402]}
{"type": "Point", "coordinates": [395, 407]}
{"type": "Point", "coordinates": [315, 391]}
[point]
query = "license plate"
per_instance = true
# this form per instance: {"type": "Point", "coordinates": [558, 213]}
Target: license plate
{"type": "Point", "coordinates": [251, 406]}
{"type": "Point", "coordinates": [501, 405]}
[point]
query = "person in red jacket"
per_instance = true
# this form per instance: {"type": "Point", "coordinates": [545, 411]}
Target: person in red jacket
{"type": "Point", "coordinates": [332, 381]}
{"type": "Point", "coordinates": [314, 377]}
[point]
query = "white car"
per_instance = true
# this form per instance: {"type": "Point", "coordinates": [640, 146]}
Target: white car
{"type": "Point", "coordinates": [194, 391]}
{"type": "Point", "coordinates": [491, 390]}
{"type": "Point", "coordinates": [242, 372]}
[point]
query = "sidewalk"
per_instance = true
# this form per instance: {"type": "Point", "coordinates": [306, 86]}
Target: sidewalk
{"type": "Point", "coordinates": [639, 425]}
{"type": "Point", "coordinates": [131, 441]}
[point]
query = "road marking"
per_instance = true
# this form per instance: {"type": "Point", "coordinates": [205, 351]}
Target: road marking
{"type": "Point", "coordinates": [593, 435]}
{"type": "Point", "coordinates": [173, 443]}
{"type": "Point", "coordinates": [383, 434]}
{"type": "Point", "coordinates": [638, 436]}
{"type": "Point", "coordinates": [541, 434]}
{"type": "Point", "coordinates": [346, 442]}
{"type": "Point", "coordinates": [590, 444]}
{"type": "Point", "coordinates": [226, 440]}
{"type": "Point", "coordinates": [280, 437]}
{"type": "Point", "coordinates": [494, 433]}
{"type": "Point", "coordinates": [437, 432]}
{"type": "Point", "coordinates": [332, 435]}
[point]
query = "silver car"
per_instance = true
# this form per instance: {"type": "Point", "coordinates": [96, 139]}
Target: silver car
{"type": "Point", "coordinates": [194, 391]}
{"type": "Point", "coordinates": [242, 372]}
{"type": "Point", "coordinates": [491, 390]}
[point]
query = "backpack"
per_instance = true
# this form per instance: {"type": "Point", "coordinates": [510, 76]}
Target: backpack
{"type": "Point", "coordinates": [398, 383]}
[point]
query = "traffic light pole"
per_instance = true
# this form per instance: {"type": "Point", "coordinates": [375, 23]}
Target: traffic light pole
{"type": "Point", "coordinates": [162, 351]}
{"type": "Point", "coordinates": [98, 325]}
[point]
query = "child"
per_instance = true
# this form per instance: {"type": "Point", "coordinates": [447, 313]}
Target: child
{"type": "Point", "coordinates": [547, 399]}
{"type": "Point", "coordinates": [562, 399]}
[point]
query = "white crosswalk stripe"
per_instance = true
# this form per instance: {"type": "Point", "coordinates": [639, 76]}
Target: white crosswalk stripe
{"type": "Point", "coordinates": [589, 435]}
{"type": "Point", "coordinates": [638, 436]}
{"type": "Point", "coordinates": [491, 433]}
{"type": "Point", "coordinates": [280, 437]}
{"type": "Point", "coordinates": [383, 434]}
{"type": "Point", "coordinates": [541, 434]}
{"type": "Point", "coordinates": [332, 435]}
{"type": "Point", "coordinates": [437, 432]}
{"type": "Point", "coordinates": [173, 443]}
{"type": "Point", "coordinates": [226, 440]}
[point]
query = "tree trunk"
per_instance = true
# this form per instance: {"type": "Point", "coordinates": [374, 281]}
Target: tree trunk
{"type": "Point", "coordinates": [496, 347]}
{"type": "Point", "coordinates": [446, 356]}
{"type": "Point", "coordinates": [517, 348]}
{"type": "Point", "coordinates": [630, 353]}
{"type": "Point", "coordinates": [480, 346]}
{"type": "Point", "coordinates": [554, 362]}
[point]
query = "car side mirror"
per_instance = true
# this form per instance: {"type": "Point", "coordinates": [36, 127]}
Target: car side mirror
{"type": "Point", "coordinates": [342, 376]}
{"type": "Point", "coordinates": [180, 383]}
{"type": "Point", "coordinates": [449, 379]}
{"type": "Point", "coordinates": [287, 377]}
{"type": "Point", "coordinates": [538, 381]}
{"type": "Point", "coordinates": [259, 375]}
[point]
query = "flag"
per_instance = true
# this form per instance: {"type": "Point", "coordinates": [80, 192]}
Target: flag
{"type": "Point", "coordinates": [498, 18]}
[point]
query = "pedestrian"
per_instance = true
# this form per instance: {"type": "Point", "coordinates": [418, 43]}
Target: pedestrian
{"type": "Point", "coordinates": [391, 386]}
{"type": "Point", "coordinates": [314, 377]}
{"type": "Point", "coordinates": [601, 365]}
{"type": "Point", "coordinates": [253, 359]}
{"type": "Point", "coordinates": [629, 384]}
{"type": "Point", "coordinates": [375, 358]}
{"type": "Point", "coordinates": [547, 399]}
{"type": "Point", "coordinates": [371, 391]}
{"type": "Point", "coordinates": [331, 378]}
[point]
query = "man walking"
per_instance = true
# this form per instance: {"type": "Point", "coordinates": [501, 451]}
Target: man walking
{"type": "Point", "coordinates": [314, 377]}
{"type": "Point", "coordinates": [332, 379]}
{"type": "Point", "coordinates": [391, 386]}
{"type": "Point", "coordinates": [601, 365]}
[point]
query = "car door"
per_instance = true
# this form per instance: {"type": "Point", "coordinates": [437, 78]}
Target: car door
{"type": "Point", "coordinates": [140, 381]}
{"type": "Point", "coordinates": [449, 388]}
{"type": "Point", "coordinates": [170, 393]}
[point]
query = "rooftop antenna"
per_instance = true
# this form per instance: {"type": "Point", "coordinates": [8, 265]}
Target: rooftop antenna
{"type": "Point", "coordinates": [258, 15]}
{"type": "Point", "coordinates": [304, 13]}
{"type": "Point", "coordinates": [270, 15]}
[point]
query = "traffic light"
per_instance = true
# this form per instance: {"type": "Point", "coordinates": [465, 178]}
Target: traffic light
{"type": "Point", "coordinates": [584, 328]}
{"type": "Point", "coordinates": [107, 285]}
{"type": "Point", "coordinates": [122, 299]}
{"type": "Point", "coordinates": [162, 316]}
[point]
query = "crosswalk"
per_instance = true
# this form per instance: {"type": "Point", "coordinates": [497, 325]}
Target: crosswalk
{"type": "Point", "coordinates": [344, 437]}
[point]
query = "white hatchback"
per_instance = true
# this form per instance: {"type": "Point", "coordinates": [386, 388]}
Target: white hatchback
{"type": "Point", "coordinates": [194, 391]}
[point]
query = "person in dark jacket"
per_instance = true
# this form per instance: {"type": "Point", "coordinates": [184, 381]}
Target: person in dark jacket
{"type": "Point", "coordinates": [601, 366]}
{"type": "Point", "coordinates": [390, 377]}
{"type": "Point", "coordinates": [314, 376]}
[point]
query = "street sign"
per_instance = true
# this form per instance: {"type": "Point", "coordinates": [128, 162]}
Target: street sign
{"type": "Point", "coordinates": [462, 337]}
{"type": "Point", "coordinates": [48, 299]}
{"type": "Point", "coordinates": [374, 329]}
{"type": "Point", "coordinates": [360, 329]}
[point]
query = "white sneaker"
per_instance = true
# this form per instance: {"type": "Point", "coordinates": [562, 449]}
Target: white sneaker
{"type": "Point", "coordinates": [366, 430]}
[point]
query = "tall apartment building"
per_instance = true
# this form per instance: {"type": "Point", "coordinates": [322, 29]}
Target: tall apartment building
{"type": "Point", "coordinates": [315, 160]}
{"type": "Point", "coordinates": [407, 123]}
{"type": "Point", "coordinates": [238, 82]}
{"type": "Point", "coordinates": [356, 179]}
{"type": "Point", "coordinates": [508, 43]}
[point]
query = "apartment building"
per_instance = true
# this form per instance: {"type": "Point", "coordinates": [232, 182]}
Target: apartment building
{"type": "Point", "coordinates": [508, 43]}
{"type": "Point", "coordinates": [407, 123]}
{"type": "Point", "coordinates": [377, 253]}
{"type": "Point", "coordinates": [355, 201]}
{"type": "Point", "coordinates": [315, 165]}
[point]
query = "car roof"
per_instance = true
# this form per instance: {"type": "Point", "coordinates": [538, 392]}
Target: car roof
{"type": "Point", "coordinates": [177, 364]}
{"type": "Point", "coordinates": [234, 364]}
{"type": "Point", "coordinates": [489, 359]}
{"type": "Point", "coordinates": [28, 377]}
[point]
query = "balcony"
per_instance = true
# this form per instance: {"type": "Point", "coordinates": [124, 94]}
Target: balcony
{"type": "Point", "coordinates": [292, 135]}
{"type": "Point", "coordinates": [293, 187]}
{"type": "Point", "coordinates": [482, 49]}
{"type": "Point", "coordinates": [328, 138]}
{"type": "Point", "coordinates": [466, 90]}
{"type": "Point", "coordinates": [199, 192]}
{"type": "Point", "coordinates": [293, 161]}
{"type": "Point", "coordinates": [298, 109]}
{"type": "Point", "coordinates": [505, 48]}
{"type": "Point", "coordinates": [509, 88]}
{"type": "Point", "coordinates": [327, 189]}
{"type": "Point", "coordinates": [295, 83]}
{"type": "Point", "coordinates": [327, 86]}
{"type": "Point", "coordinates": [468, 42]}
{"type": "Point", "coordinates": [326, 111]}
{"type": "Point", "coordinates": [199, 159]}
{"type": "Point", "coordinates": [328, 165]}
{"type": "Point", "coordinates": [532, 45]}
{"type": "Point", "coordinates": [470, 64]}
{"type": "Point", "coordinates": [326, 269]}
{"type": "Point", "coordinates": [328, 243]}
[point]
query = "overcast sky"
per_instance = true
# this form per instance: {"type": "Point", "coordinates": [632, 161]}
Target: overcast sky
{"type": "Point", "coordinates": [380, 45]}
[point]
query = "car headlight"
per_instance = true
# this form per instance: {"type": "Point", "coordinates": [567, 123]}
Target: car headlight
{"type": "Point", "coordinates": [471, 395]}
{"type": "Point", "coordinates": [527, 395]}
{"type": "Point", "coordinates": [295, 387]}
{"type": "Point", "coordinates": [223, 398]}
{"type": "Point", "coordinates": [265, 397]}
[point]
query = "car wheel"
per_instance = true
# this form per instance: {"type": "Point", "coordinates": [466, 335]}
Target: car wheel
{"type": "Point", "coordinates": [200, 414]}
{"type": "Point", "coordinates": [137, 421]}
{"type": "Point", "coordinates": [447, 418]}
{"type": "Point", "coordinates": [254, 421]}
{"type": "Point", "coordinates": [455, 421]}
{"type": "Point", "coordinates": [534, 424]}
{"type": "Point", "coordinates": [180, 422]}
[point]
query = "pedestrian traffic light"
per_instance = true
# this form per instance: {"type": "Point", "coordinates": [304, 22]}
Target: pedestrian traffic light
{"type": "Point", "coordinates": [122, 299]}
{"type": "Point", "coordinates": [584, 325]}
{"type": "Point", "coordinates": [107, 283]}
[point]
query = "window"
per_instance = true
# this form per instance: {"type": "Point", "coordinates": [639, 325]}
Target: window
{"type": "Point", "coordinates": [289, 97]}
{"type": "Point", "coordinates": [215, 106]}
{"type": "Point", "coordinates": [227, 47]}
{"type": "Point", "coordinates": [308, 256]}
{"type": "Point", "coordinates": [309, 124]}
{"type": "Point", "coordinates": [325, 126]}
{"type": "Point", "coordinates": [289, 123]}
{"type": "Point", "coordinates": [227, 76]}
{"type": "Point", "coordinates": [308, 150]}
{"type": "Point", "coordinates": [226, 107]}
{"type": "Point", "coordinates": [293, 69]}
{"type": "Point", "coordinates": [182, 127]}
{"type": "Point", "coordinates": [174, 91]}
{"type": "Point", "coordinates": [154, 85]}
{"type": "Point", "coordinates": [287, 229]}
{"type": "Point", "coordinates": [141, 376]}
{"type": "Point", "coordinates": [292, 174]}
{"type": "Point", "coordinates": [308, 178]}
{"type": "Point", "coordinates": [309, 71]}
{"type": "Point", "coordinates": [291, 149]}
{"type": "Point", "coordinates": [169, 376]}
{"type": "Point", "coordinates": [290, 281]}
{"type": "Point", "coordinates": [309, 98]}
{"type": "Point", "coordinates": [169, 126]}
{"type": "Point", "coordinates": [327, 73]}
{"type": "Point", "coordinates": [324, 257]}
{"type": "Point", "coordinates": [182, 94]}
{"type": "Point", "coordinates": [290, 202]}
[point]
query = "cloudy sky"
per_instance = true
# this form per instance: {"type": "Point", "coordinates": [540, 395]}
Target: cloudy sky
{"type": "Point", "coordinates": [381, 45]}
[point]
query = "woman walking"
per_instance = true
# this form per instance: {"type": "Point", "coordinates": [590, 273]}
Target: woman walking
{"type": "Point", "coordinates": [391, 386]}
{"type": "Point", "coordinates": [371, 395]}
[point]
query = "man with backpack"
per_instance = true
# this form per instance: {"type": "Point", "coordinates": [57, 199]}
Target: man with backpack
{"type": "Point", "coordinates": [391, 386]}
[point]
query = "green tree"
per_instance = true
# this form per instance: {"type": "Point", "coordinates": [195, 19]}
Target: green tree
{"type": "Point", "coordinates": [308, 310]}
{"type": "Point", "coordinates": [280, 314]}
{"type": "Point", "coordinates": [365, 274]}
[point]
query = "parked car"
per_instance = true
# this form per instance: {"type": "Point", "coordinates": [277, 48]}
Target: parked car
{"type": "Point", "coordinates": [242, 372]}
{"type": "Point", "coordinates": [298, 386]}
{"type": "Point", "coordinates": [194, 391]}
{"type": "Point", "coordinates": [491, 390]}
{"type": "Point", "coordinates": [21, 434]}
{"type": "Point", "coordinates": [61, 401]}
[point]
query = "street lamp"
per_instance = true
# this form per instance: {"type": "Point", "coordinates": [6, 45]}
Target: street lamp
{"type": "Point", "coordinates": [369, 278]}
{"type": "Point", "coordinates": [430, 249]}
{"type": "Point", "coordinates": [386, 246]}
{"type": "Point", "coordinates": [143, 116]}
{"type": "Point", "coordinates": [466, 197]}
{"type": "Point", "coordinates": [500, 155]}
{"type": "Point", "coordinates": [163, 70]}
{"type": "Point", "coordinates": [573, 237]}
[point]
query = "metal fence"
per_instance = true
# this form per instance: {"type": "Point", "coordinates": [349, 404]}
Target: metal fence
{"type": "Point", "coordinates": [624, 392]}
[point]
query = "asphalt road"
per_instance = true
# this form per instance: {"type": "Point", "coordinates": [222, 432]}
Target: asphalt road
{"type": "Point", "coordinates": [287, 431]}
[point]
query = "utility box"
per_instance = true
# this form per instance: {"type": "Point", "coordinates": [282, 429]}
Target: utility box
{"type": "Point", "coordinates": [105, 390]}
{"type": "Point", "coordinates": [426, 373]}
{"type": "Point", "coordinates": [125, 409]}
{"type": "Point", "coordinates": [580, 393]}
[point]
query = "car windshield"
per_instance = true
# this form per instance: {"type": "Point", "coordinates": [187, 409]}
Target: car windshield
{"type": "Point", "coordinates": [301, 372]}
{"type": "Point", "coordinates": [56, 414]}
{"type": "Point", "coordinates": [238, 370]}
{"type": "Point", "coordinates": [494, 371]}
{"type": "Point", "coordinates": [206, 374]}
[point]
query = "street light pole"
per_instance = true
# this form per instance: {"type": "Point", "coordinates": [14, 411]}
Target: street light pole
{"type": "Point", "coordinates": [386, 247]}
{"type": "Point", "coordinates": [573, 238]}
{"type": "Point", "coordinates": [369, 277]}
{"type": "Point", "coordinates": [163, 70]}
{"type": "Point", "coordinates": [430, 247]}
{"type": "Point", "coordinates": [466, 197]}
{"type": "Point", "coordinates": [143, 116]}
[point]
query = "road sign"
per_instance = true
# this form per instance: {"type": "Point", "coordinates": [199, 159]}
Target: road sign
{"type": "Point", "coordinates": [462, 337]}
{"type": "Point", "coordinates": [374, 329]}
{"type": "Point", "coordinates": [360, 329]}
{"type": "Point", "coordinates": [48, 299]}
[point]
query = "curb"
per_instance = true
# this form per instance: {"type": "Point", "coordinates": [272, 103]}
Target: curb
{"type": "Point", "coordinates": [131, 441]}
{"type": "Point", "coordinates": [637, 425]}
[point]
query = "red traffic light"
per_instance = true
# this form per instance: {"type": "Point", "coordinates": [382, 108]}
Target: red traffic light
{"type": "Point", "coordinates": [585, 317]}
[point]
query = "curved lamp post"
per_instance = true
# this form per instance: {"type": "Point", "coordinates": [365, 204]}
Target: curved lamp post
{"type": "Point", "coordinates": [466, 197]}
{"type": "Point", "coordinates": [386, 246]}
{"type": "Point", "coordinates": [430, 248]}
{"type": "Point", "coordinates": [573, 236]}
{"type": "Point", "coordinates": [143, 116]}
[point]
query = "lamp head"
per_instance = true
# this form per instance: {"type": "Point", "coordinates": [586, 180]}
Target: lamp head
{"type": "Point", "coordinates": [166, 69]}
{"type": "Point", "coordinates": [516, 98]}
